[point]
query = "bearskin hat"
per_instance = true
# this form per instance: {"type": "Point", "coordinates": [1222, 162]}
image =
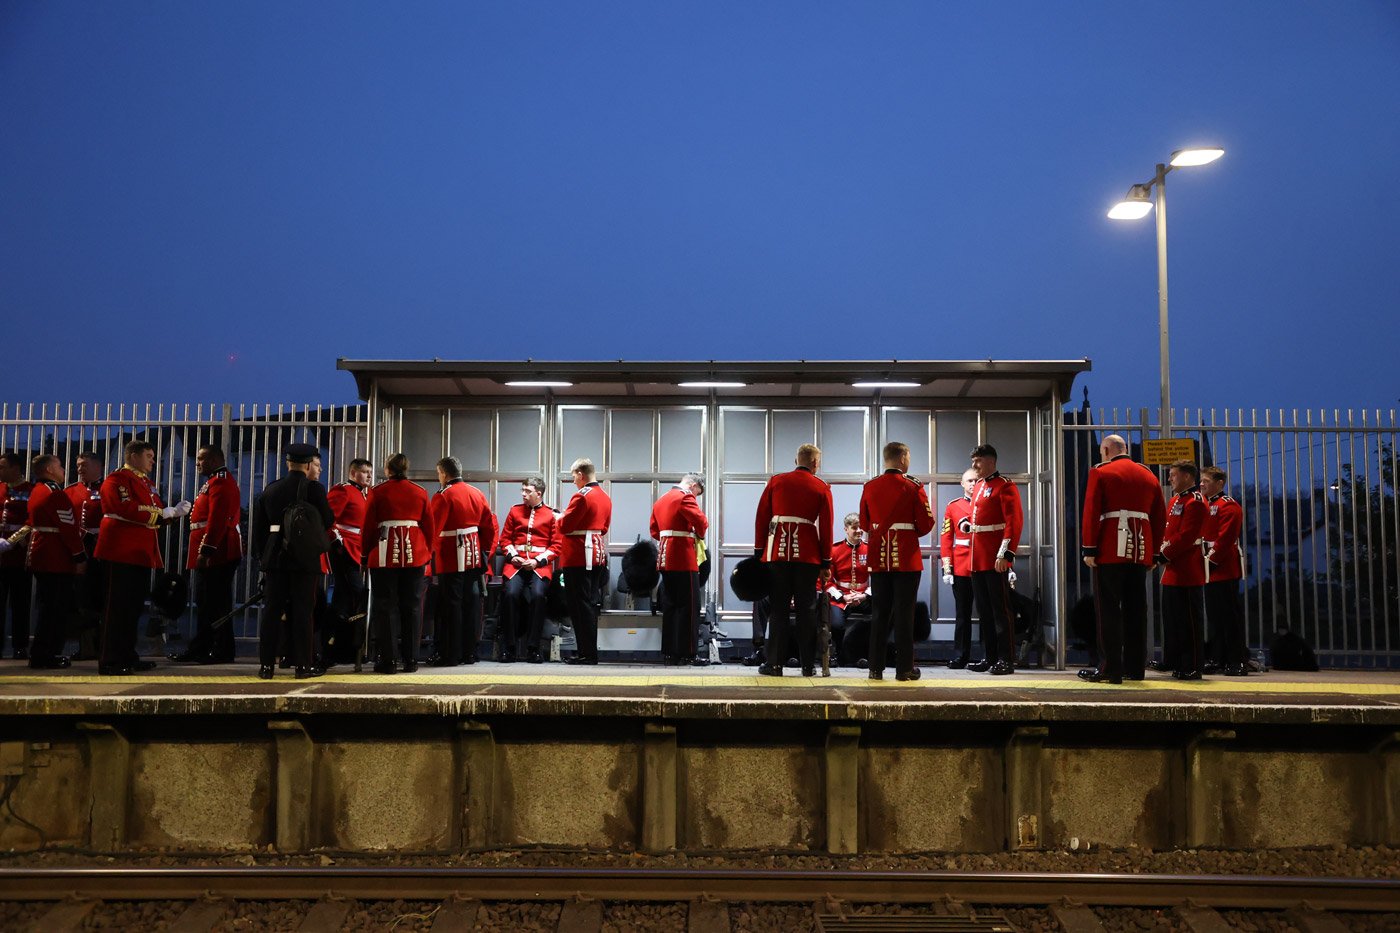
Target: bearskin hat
{"type": "Point", "coordinates": [639, 573]}
{"type": "Point", "coordinates": [170, 594]}
{"type": "Point", "coordinates": [749, 579]}
{"type": "Point", "coordinates": [923, 624]}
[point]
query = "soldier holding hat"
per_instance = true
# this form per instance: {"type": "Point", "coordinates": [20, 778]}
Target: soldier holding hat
{"type": "Point", "coordinates": [678, 526]}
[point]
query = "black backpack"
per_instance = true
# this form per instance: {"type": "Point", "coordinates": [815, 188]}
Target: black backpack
{"type": "Point", "coordinates": [304, 538]}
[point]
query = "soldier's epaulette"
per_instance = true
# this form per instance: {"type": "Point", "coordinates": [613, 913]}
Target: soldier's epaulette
{"type": "Point", "coordinates": [584, 490]}
{"type": "Point", "coordinates": [913, 479]}
{"type": "Point", "coordinates": [1227, 497]}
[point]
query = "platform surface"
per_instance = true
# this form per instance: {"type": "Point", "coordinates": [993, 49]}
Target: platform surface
{"type": "Point", "coordinates": [727, 691]}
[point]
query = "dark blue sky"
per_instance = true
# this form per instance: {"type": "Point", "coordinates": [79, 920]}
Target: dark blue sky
{"type": "Point", "coordinates": [214, 201]}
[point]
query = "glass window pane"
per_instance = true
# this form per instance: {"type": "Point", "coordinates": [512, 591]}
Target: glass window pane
{"type": "Point", "coordinates": [957, 435]}
{"type": "Point", "coordinates": [631, 514]}
{"type": "Point", "coordinates": [471, 439]}
{"type": "Point", "coordinates": [682, 441]}
{"type": "Point", "coordinates": [791, 429]}
{"type": "Point", "coordinates": [1007, 431]}
{"type": "Point", "coordinates": [422, 438]}
{"type": "Point", "coordinates": [583, 435]}
{"type": "Point", "coordinates": [910, 427]}
{"type": "Point", "coordinates": [740, 509]}
{"type": "Point", "coordinates": [507, 495]}
{"type": "Point", "coordinates": [845, 498]}
{"type": "Point", "coordinates": [518, 441]}
{"type": "Point", "coordinates": [731, 603]}
{"type": "Point", "coordinates": [744, 433]}
{"type": "Point", "coordinates": [843, 442]}
{"type": "Point", "coordinates": [630, 445]}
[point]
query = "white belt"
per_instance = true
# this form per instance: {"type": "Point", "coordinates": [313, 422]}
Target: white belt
{"type": "Point", "coordinates": [456, 531]}
{"type": "Point", "coordinates": [847, 586]}
{"type": "Point", "coordinates": [129, 521]}
{"type": "Point", "coordinates": [791, 520]}
{"type": "Point", "coordinates": [962, 542]}
{"type": "Point", "coordinates": [44, 528]}
{"type": "Point", "coordinates": [1125, 533]}
{"type": "Point", "coordinates": [1124, 513]}
{"type": "Point", "coordinates": [461, 535]}
{"type": "Point", "coordinates": [273, 529]}
{"type": "Point", "coordinates": [669, 533]}
{"type": "Point", "coordinates": [902, 526]}
{"type": "Point", "coordinates": [978, 529]}
{"type": "Point", "coordinates": [349, 528]}
{"type": "Point", "coordinates": [195, 526]}
{"type": "Point", "coordinates": [384, 539]}
{"type": "Point", "coordinates": [589, 535]}
{"type": "Point", "coordinates": [399, 523]}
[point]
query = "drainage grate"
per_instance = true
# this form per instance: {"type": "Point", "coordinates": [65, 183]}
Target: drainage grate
{"type": "Point", "coordinates": [986, 923]}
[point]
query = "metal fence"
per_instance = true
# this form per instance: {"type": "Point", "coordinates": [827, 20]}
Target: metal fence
{"type": "Point", "coordinates": [1321, 523]}
{"type": "Point", "coordinates": [252, 437]}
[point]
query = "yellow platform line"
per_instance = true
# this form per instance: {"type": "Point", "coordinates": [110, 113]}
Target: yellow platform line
{"type": "Point", "coordinates": [1251, 685]}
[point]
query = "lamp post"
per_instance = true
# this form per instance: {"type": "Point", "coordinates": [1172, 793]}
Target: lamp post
{"type": "Point", "coordinates": [1138, 204]}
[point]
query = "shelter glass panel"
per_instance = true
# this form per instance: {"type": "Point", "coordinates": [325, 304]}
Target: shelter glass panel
{"type": "Point", "coordinates": [421, 438]}
{"type": "Point", "coordinates": [518, 440]}
{"type": "Point", "coordinates": [845, 498]}
{"type": "Point", "coordinates": [740, 507]}
{"type": "Point", "coordinates": [791, 429]}
{"type": "Point", "coordinates": [910, 427]}
{"type": "Point", "coordinates": [745, 434]}
{"type": "Point", "coordinates": [582, 435]}
{"type": "Point", "coordinates": [470, 436]}
{"type": "Point", "coordinates": [957, 435]}
{"type": "Point", "coordinates": [682, 440]}
{"type": "Point", "coordinates": [1009, 433]}
{"type": "Point", "coordinates": [631, 514]}
{"type": "Point", "coordinates": [631, 441]}
{"type": "Point", "coordinates": [843, 442]}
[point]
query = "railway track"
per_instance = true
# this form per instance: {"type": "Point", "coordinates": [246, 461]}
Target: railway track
{"type": "Point", "coordinates": [705, 897]}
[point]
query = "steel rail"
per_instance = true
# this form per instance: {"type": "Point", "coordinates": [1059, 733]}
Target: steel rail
{"type": "Point", "coordinates": [658, 884]}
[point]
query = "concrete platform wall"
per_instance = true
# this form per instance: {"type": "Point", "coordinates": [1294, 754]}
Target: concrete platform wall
{"type": "Point", "coordinates": [436, 784]}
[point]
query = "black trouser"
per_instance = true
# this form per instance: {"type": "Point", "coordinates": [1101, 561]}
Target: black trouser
{"type": "Point", "coordinates": [16, 585]}
{"type": "Point", "coordinates": [853, 623]}
{"type": "Point", "coordinates": [1226, 621]}
{"type": "Point", "coordinates": [792, 583]}
{"type": "Point", "coordinates": [289, 601]}
{"type": "Point", "coordinates": [892, 596]}
{"type": "Point", "coordinates": [962, 619]}
{"type": "Point", "coordinates": [213, 595]}
{"type": "Point", "coordinates": [347, 600]}
{"type": "Point", "coordinates": [522, 616]}
{"type": "Point", "coordinates": [397, 594]}
{"type": "Point", "coordinates": [993, 594]}
{"type": "Point", "coordinates": [1184, 616]}
{"type": "Point", "coordinates": [458, 615]}
{"type": "Point", "coordinates": [55, 596]}
{"type": "Point", "coordinates": [582, 590]}
{"type": "Point", "coordinates": [1120, 605]}
{"type": "Point", "coordinates": [127, 586]}
{"type": "Point", "coordinates": [680, 601]}
{"type": "Point", "coordinates": [91, 593]}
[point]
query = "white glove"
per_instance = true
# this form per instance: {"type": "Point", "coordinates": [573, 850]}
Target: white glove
{"type": "Point", "coordinates": [1011, 577]}
{"type": "Point", "coordinates": [169, 512]}
{"type": "Point", "coordinates": [948, 579]}
{"type": "Point", "coordinates": [5, 545]}
{"type": "Point", "coordinates": [182, 508]}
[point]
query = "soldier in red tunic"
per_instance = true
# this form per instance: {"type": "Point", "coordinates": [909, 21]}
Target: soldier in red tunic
{"type": "Point", "coordinates": [530, 542]}
{"type": "Point", "coordinates": [1224, 570]}
{"type": "Point", "coordinates": [131, 513]}
{"type": "Point", "coordinates": [1184, 574]}
{"type": "Point", "coordinates": [347, 501]}
{"type": "Point", "coordinates": [215, 551]}
{"type": "Point", "coordinates": [16, 583]}
{"type": "Point", "coordinates": [677, 524]}
{"type": "Point", "coordinates": [86, 496]}
{"type": "Point", "coordinates": [466, 535]}
{"type": "Point", "coordinates": [792, 534]}
{"type": "Point", "coordinates": [55, 555]}
{"type": "Point", "coordinates": [584, 528]}
{"type": "Point", "coordinates": [895, 512]}
{"type": "Point", "coordinates": [399, 532]}
{"type": "Point", "coordinates": [955, 553]}
{"type": "Point", "coordinates": [1122, 522]}
{"type": "Point", "coordinates": [996, 532]}
{"type": "Point", "coordinates": [848, 592]}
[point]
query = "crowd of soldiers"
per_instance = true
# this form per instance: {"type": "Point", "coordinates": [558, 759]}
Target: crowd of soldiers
{"type": "Point", "coordinates": [89, 550]}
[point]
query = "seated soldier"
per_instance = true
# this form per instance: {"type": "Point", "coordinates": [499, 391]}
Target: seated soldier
{"type": "Point", "coordinates": [848, 588]}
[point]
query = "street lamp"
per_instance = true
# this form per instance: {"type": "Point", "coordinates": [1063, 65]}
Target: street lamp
{"type": "Point", "coordinates": [1138, 204]}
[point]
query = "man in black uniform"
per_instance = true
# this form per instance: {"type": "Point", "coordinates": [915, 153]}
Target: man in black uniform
{"type": "Point", "coordinates": [290, 572]}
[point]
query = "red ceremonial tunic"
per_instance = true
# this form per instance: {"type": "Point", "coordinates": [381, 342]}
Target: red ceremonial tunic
{"type": "Point", "coordinates": [466, 528]}
{"type": "Point", "coordinates": [676, 524]}
{"type": "Point", "coordinates": [531, 534]}
{"type": "Point", "coordinates": [583, 528]}
{"type": "Point", "coordinates": [130, 514]}
{"type": "Point", "coordinates": [1124, 515]}
{"type": "Point", "coordinates": [14, 515]}
{"type": "Point", "coordinates": [348, 502]}
{"type": "Point", "coordinates": [996, 521]}
{"type": "Point", "coordinates": [87, 501]}
{"type": "Point", "coordinates": [793, 522]}
{"type": "Point", "coordinates": [56, 543]}
{"type": "Point", "coordinates": [214, 522]}
{"type": "Point", "coordinates": [895, 513]}
{"type": "Point", "coordinates": [399, 527]}
{"type": "Point", "coordinates": [1181, 541]}
{"type": "Point", "coordinates": [955, 538]}
{"type": "Point", "coordinates": [850, 571]}
{"type": "Point", "coordinates": [1221, 530]}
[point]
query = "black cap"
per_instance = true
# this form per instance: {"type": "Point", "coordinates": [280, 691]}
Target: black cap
{"type": "Point", "coordinates": [302, 453]}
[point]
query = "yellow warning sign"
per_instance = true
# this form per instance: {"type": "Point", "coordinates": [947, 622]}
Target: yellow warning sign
{"type": "Point", "coordinates": [1168, 450]}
